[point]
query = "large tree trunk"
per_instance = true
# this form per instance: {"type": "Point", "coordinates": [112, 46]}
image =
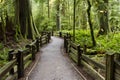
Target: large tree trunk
{"type": "Point", "coordinates": [58, 22]}
{"type": "Point", "coordinates": [25, 18]}
{"type": "Point", "coordinates": [83, 16]}
{"type": "Point", "coordinates": [90, 23]}
{"type": "Point", "coordinates": [7, 25]}
{"type": "Point", "coordinates": [17, 24]}
{"type": "Point", "coordinates": [30, 28]}
{"type": "Point", "coordinates": [103, 19]}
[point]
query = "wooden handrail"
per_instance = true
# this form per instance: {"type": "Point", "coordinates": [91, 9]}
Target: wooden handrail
{"type": "Point", "coordinates": [22, 58]}
{"type": "Point", "coordinates": [111, 68]}
{"type": "Point", "coordinates": [73, 45]}
{"type": "Point", "coordinates": [7, 68]}
{"type": "Point", "coordinates": [88, 60]}
{"type": "Point", "coordinates": [80, 57]}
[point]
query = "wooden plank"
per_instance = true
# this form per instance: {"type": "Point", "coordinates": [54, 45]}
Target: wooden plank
{"type": "Point", "coordinates": [27, 64]}
{"type": "Point", "coordinates": [74, 51]}
{"type": "Point", "coordinates": [73, 45]}
{"type": "Point", "coordinates": [26, 50]}
{"type": "Point", "coordinates": [43, 42]}
{"type": "Point", "coordinates": [73, 57]}
{"type": "Point", "coordinates": [92, 71]}
{"type": "Point", "coordinates": [117, 76]}
{"type": "Point", "coordinates": [117, 71]}
{"type": "Point", "coordinates": [117, 64]}
{"type": "Point", "coordinates": [117, 67]}
{"type": "Point", "coordinates": [109, 66]}
{"type": "Point", "coordinates": [27, 58]}
{"type": "Point", "coordinates": [33, 43]}
{"type": "Point", "coordinates": [44, 39]}
{"type": "Point", "coordinates": [44, 36]}
{"type": "Point", "coordinates": [6, 68]}
{"type": "Point", "coordinates": [88, 60]}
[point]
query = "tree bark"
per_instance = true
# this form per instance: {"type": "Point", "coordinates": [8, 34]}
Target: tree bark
{"type": "Point", "coordinates": [27, 27]}
{"type": "Point", "coordinates": [90, 23]}
{"type": "Point", "coordinates": [17, 24]}
{"type": "Point", "coordinates": [58, 22]}
{"type": "Point", "coordinates": [103, 19]}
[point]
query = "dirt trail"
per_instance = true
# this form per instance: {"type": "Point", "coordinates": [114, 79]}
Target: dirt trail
{"type": "Point", "coordinates": [53, 65]}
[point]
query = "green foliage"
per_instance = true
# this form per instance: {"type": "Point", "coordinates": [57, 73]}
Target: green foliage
{"type": "Point", "coordinates": [110, 42]}
{"type": "Point", "coordinates": [44, 24]}
{"type": "Point", "coordinates": [1, 46]}
{"type": "Point", "coordinates": [82, 37]}
{"type": "Point", "coordinates": [114, 13]}
{"type": "Point", "coordinates": [3, 56]}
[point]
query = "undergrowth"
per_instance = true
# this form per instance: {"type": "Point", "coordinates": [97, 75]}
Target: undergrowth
{"type": "Point", "coordinates": [13, 45]}
{"type": "Point", "coordinates": [3, 55]}
{"type": "Point", "coordinates": [109, 43]}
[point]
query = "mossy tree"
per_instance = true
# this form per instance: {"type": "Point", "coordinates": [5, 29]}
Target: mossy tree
{"type": "Point", "coordinates": [26, 22]}
{"type": "Point", "coordinates": [16, 20]}
{"type": "Point", "coordinates": [102, 16]}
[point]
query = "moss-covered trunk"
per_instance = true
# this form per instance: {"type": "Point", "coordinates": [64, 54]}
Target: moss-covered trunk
{"type": "Point", "coordinates": [27, 27]}
{"type": "Point", "coordinates": [103, 18]}
{"type": "Point", "coordinates": [58, 22]}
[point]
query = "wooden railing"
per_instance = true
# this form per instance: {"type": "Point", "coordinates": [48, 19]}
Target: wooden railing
{"type": "Point", "coordinates": [60, 34]}
{"type": "Point", "coordinates": [19, 60]}
{"type": "Point", "coordinates": [110, 70]}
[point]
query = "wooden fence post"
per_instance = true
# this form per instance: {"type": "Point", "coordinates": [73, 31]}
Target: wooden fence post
{"type": "Point", "coordinates": [33, 52]}
{"type": "Point", "coordinates": [66, 47]}
{"type": "Point", "coordinates": [52, 33]}
{"type": "Point", "coordinates": [37, 44]}
{"type": "Point", "coordinates": [117, 56]}
{"type": "Point", "coordinates": [79, 55]}
{"type": "Point", "coordinates": [109, 67]}
{"type": "Point", "coordinates": [49, 36]}
{"type": "Point", "coordinates": [46, 38]}
{"type": "Point", "coordinates": [10, 57]}
{"type": "Point", "coordinates": [20, 65]}
{"type": "Point", "coordinates": [64, 41]}
{"type": "Point", "coordinates": [84, 49]}
{"type": "Point", "coordinates": [67, 36]}
{"type": "Point", "coordinates": [41, 41]}
{"type": "Point", "coordinates": [60, 34]}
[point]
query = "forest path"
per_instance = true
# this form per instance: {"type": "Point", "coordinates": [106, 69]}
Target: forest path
{"type": "Point", "coordinates": [53, 64]}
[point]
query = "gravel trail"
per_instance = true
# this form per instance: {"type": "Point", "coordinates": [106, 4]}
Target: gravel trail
{"type": "Point", "coordinates": [53, 65]}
